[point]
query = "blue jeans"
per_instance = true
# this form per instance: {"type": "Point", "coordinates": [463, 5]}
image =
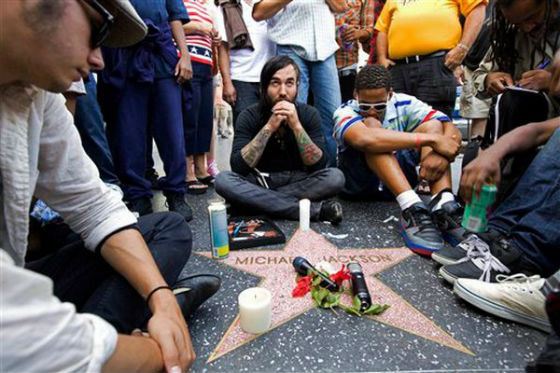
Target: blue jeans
{"type": "Point", "coordinates": [247, 94]}
{"type": "Point", "coordinates": [530, 215]}
{"type": "Point", "coordinates": [89, 122]}
{"type": "Point", "coordinates": [322, 78]}
{"type": "Point", "coordinates": [144, 108]}
{"type": "Point", "coordinates": [286, 189]}
{"type": "Point", "coordinates": [198, 119]}
{"type": "Point", "coordinates": [86, 280]}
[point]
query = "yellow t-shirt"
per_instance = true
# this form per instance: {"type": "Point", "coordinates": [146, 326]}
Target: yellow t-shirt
{"type": "Point", "coordinates": [418, 27]}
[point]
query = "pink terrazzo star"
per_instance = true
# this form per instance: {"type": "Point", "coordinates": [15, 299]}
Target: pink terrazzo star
{"type": "Point", "coordinates": [278, 276]}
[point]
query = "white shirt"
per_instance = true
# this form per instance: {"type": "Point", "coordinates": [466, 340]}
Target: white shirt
{"type": "Point", "coordinates": [41, 155]}
{"type": "Point", "coordinates": [246, 64]}
{"type": "Point", "coordinates": [41, 334]}
{"type": "Point", "coordinates": [307, 25]}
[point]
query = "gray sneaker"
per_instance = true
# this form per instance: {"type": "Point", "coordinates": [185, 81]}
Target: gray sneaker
{"type": "Point", "coordinates": [419, 231]}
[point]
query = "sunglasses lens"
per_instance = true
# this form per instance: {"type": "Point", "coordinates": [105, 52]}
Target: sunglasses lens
{"type": "Point", "coordinates": [380, 107]}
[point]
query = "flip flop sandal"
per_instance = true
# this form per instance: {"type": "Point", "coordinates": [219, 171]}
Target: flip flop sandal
{"type": "Point", "coordinates": [196, 187]}
{"type": "Point", "coordinates": [208, 180]}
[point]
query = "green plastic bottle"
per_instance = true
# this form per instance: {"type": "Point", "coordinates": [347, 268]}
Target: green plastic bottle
{"type": "Point", "coordinates": [475, 218]}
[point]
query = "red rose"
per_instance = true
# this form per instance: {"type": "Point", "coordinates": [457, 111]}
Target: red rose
{"type": "Point", "coordinates": [303, 287]}
{"type": "Point", "coordinates": [340, 276]}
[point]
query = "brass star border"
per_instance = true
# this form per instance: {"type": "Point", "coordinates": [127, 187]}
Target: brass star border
{"type": "Point", "coordinates": [274, 267]}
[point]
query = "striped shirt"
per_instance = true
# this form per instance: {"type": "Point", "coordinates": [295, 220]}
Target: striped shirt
{"type": "Point", "coordinates": [307, 26]}
{"type": "Point", "coordinates": [199, 45]}
{"type": "Point", "coordinates": [404, 114]}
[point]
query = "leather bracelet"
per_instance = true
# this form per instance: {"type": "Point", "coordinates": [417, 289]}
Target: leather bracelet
{"type": "Point", "coordinates": [154, 290]}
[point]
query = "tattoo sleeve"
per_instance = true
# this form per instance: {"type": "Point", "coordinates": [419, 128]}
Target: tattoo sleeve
{"type": "Point", "coordinates": [309, 152]}
{"type": "Point", "coordinates": [253, 151]}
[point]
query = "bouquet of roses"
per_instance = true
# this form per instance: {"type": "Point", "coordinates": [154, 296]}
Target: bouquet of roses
{"type": "Point", "coordinates": [325, 298]}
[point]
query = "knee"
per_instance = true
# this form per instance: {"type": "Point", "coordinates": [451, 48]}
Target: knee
{"type": "Point", "coordinates": [224, 181]}
{"type": "Point", "coordinates": [335, 179]}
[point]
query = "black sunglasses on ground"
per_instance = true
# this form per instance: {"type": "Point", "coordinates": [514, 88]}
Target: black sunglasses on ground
{"type": "Point", "coordinates": [99, 32]}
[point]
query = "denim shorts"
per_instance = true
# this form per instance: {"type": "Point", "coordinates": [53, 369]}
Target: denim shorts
{"type": "Point", "coordinates": [363, 183]}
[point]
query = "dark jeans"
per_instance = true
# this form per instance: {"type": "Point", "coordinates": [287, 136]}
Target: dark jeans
{"type": "Point", "coordinates": [530, 215]}
{"type": "Point", "coordinates": [363, 183]}
{"type": "Point", "coordinates": [286, 189]}
{"type": "Point", "coordinates": [141, 106]}
{"type": "Point", "coordinates": [347, 80]}
{"type": "Point", "coordinates": [89, 122]}
{"type": "Point", "coordinates": [429, 81]}
{"type": "Point", "coordinates": [86, 280]}
{"type": "Point", "coordinates": [198, 120]}
{"type": "Point", "coordinates": [247, 95]}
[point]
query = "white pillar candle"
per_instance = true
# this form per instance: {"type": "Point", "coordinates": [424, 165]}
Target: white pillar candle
{"type": "Point", "coordinates": [255, 312]}
{"type": "Point", "coordinates": [304, 214]}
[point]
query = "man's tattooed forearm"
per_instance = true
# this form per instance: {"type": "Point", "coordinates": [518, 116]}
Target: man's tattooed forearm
{"type": "Point", "coordinates": [253, 151]}
{"type": "Point", "coordinates": [309, 152]}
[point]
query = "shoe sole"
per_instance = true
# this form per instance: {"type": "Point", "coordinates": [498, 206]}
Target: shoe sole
{"type": "Point", "coordinates": [418, 249]}
{"type": "Point", "coordinates": [499, 310]}
{"type": "Point", "coordinates": [447, 276]}
{"type": "Point", "coordinates": [444, 261]}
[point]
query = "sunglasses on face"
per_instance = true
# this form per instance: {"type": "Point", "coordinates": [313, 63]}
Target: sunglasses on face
{"type": "Point", "coordinates": [99, 32]}
{"type": "Point", "coordinates": [378, 106]}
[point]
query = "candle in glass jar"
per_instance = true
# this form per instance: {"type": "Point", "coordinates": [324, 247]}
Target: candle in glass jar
{"type": "Point", "coordinates": [255, 312]}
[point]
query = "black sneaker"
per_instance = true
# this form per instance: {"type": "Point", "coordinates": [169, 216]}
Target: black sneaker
{"type": "Point", "coordinates": [453, 254]}
{"type": "Point", "coordinates": [331, 211]}
{"type": "Point", "coordinates": [141, 206]}
{"type": "Point", "coordinates": [448, 219]}
{"type": "Point", "coordinates": [153, 177]}
{"type": "Point", "coordinates": [484, 262]}
{"type": "Point", "coordinates": [419, 231]}
{"type": "Point", "coordinates": [176, 203]}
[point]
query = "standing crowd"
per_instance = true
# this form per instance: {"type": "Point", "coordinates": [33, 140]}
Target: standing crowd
{"type": "Point", "coordinates": [91, 277]}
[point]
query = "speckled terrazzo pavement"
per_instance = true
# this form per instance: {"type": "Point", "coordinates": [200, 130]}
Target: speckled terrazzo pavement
{"type": "Point", "coordinates": [453, 336]}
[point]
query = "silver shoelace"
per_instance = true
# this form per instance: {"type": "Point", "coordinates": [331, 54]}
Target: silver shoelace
{"type": "Point", "coordinates": [479, 253]}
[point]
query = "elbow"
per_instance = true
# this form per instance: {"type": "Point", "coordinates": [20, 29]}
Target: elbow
{"type": "Point", "coordinates": [259, 15]}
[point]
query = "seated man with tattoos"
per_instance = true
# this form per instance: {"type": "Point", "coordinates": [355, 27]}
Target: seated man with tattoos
{"type": "Point", "coordinates": [278, 154]}
{"type": "Point", "coordinates": [382, 137]}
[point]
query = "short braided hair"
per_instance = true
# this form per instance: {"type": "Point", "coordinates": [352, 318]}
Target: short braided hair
{"type": "Point", "coordinates": [373, 77]}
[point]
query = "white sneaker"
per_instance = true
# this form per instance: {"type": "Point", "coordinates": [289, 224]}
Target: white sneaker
{"type": "Point", "coordinates": [517, 298]}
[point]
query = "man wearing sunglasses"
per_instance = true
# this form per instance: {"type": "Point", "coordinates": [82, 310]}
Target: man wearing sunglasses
{"type": "Point", "coordinates": [52, 43]}
{"type": "Point", "coordinates": [382, 137]}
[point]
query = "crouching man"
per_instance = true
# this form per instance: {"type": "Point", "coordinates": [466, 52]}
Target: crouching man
{"type": "Point", "coordinates": [382, 137]}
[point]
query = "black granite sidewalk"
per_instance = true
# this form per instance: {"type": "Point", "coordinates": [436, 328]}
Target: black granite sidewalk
{"type": "Point", "coordinates": [320, 341]}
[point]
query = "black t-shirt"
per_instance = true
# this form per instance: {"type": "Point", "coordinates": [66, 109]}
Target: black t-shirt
{"type": "Point", "coordinates": [281, 152]}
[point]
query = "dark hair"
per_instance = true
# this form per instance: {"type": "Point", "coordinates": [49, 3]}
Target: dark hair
{"type": "Point", "coordinates": [269, 69]}
{"type": "Point", "coordinates": [372, 77]}
{"type": "Point", "coordinates": [503, 33]}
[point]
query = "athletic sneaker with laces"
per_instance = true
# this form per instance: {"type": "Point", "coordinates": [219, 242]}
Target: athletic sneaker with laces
{"type": "Point", "coordinates": [176, 203]}
{"type": "Point", "coordinates": [484, 262]}
{"type": "Point", "coordinates": [419, 231]}
{"type": "Point", "coordinates": [448, 219]}
{"type": "Point", "coordinates": [452, 254]}
{"type": "Point", "coordinates": [517, 298]}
